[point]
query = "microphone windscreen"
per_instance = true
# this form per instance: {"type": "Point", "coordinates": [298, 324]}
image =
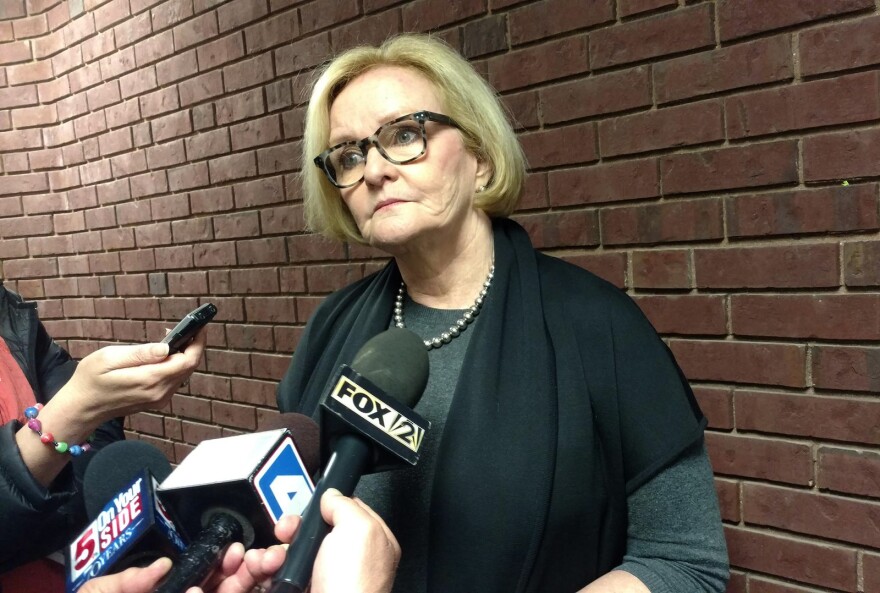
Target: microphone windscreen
{"type": "Point", "coordinates": [306, 437]}
{"type": "Point", "coordinates": [113, 467]}
{"type": "Point", "coordinates": [396, 360]}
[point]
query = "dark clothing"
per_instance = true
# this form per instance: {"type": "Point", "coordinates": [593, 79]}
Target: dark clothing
{"type": "Point", "coordinates": [403, 497]}
{"type": "Point", "coordinates": [567, 402]}
{"type": "Point", "coordinates": [35, 521]}
{"type": "Point", "coordinates": [674, 543]}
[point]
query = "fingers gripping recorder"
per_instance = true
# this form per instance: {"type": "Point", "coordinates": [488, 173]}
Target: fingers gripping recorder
{"type": "Point", "coordinates": [368, 425]}
{"type": "Point", "coordinates": [182, 334]}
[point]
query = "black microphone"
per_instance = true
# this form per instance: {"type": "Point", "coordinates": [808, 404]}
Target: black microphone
{"type": "Point", "coordinates": [129, 525]}
{"type": "Point", "coordinates": [368, 425]}
{"type": "Point", "coordinates": [235, 489]}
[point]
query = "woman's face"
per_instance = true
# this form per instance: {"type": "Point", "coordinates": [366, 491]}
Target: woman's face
{"type": "Point", "coordinates": [428, 201]}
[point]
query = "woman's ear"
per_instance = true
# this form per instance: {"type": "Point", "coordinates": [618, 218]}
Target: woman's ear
{"type": "Point", "coordinates": [484, 173]}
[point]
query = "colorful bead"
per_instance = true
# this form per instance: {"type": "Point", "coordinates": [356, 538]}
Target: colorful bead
{"type": "Point", "coordinates": [48, 439]}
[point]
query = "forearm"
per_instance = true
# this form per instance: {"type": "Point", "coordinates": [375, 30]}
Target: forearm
{"type": "Point", "coordinates": [616, 581]}
{"type": "Point", "coordinates": [66, 421]}
{"type": "Point", "coordinates": [675, 541]}
{"type": "Point", "coordinates": [113, 381]}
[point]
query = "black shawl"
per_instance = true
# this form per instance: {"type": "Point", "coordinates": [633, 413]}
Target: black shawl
{"type": "Point", "coordinates": [566, 403]}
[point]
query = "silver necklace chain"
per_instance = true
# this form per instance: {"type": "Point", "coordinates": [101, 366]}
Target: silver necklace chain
{"type": "Point", "coordinates": [456, 328]}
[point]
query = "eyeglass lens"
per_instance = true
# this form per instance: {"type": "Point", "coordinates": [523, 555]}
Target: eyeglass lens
{"type": "Point", "coordinates": [397, 142]}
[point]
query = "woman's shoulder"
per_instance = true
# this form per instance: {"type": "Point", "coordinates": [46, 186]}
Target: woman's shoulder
{"type": "Point", "coordinates": [591, 303]}
{"type": "Point", "coordinates": [573, 282]}
{"type": "Point", "coordinates": [342, 297]}
{"type": "Point", "coordinates": [345, 292]}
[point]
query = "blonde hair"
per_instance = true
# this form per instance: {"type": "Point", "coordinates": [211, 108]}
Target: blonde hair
{"type": "Point", "coordinates": [467, 98]}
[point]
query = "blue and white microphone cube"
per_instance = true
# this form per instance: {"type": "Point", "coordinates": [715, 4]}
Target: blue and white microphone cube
{"type": "Point", "coordinates": [260, 476]}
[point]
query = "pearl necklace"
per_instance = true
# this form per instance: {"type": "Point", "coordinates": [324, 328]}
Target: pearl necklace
{"type": "Point", "coordinates": [456, 328]}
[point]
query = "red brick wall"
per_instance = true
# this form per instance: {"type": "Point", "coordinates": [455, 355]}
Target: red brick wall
{"type": "Point", "coordinates": [717, 159]}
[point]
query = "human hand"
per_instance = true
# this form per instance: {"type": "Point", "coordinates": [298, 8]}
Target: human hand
{"type": "Point", "coordinates": [124, 379]}
{"type": "Point", "coordinates": [357, 534]}
{"type": "Point", "coordinates": [362, 538]}
{"type": "Point", "coordinates": [113, 381]}
{"type": "Point", "coordinates": [132, 580]}
{"type": "Point", "coordinates": [241, 571]}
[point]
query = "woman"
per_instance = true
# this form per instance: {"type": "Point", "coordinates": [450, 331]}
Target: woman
{"type": "Point", "coordinates": [565, 451]}
{"type": "Point", "coordinates": [41, 506]}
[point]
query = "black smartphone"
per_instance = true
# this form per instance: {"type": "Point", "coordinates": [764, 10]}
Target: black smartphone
{"type": "Point", "coordinates": [178, 338]}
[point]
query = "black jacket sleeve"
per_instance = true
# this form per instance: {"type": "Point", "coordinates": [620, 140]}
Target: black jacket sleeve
{"type": "Point", "coordinates": [34, 521]}
{"type": "Point", "coordinates": [53, 365]}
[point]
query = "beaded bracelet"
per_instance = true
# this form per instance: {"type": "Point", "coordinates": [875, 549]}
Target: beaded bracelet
{"type": "Point", "coordinates": [46, 437]}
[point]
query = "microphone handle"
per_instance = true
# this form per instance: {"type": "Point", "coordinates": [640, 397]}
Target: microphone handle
{"type": "Point", "coordinates": [350, 458]}
{"type": "Point", "coordinates": [200, 559]}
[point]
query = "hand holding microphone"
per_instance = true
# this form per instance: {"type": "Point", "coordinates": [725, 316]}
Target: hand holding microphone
{"type": "Point", "coordinates": [368, 425]}
{"type": "Point", "coordinates": [358, 536]}
{"type": "Point", "coordinates": [359, 554]}
{"type": "Point", "coordinates": [227, 490]}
